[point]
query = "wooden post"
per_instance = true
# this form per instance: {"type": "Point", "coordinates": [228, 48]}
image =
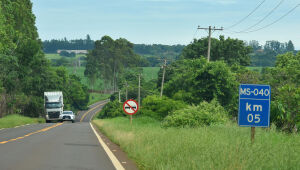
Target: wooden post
{"type": "Point", "coordinates": [126, 91]}
{"type": "Point", "coordinates": [130, 119]}
{"type": "Point", "coordinates": [139, 92]}
{"type": "Point", "coordinates": [252, 134]}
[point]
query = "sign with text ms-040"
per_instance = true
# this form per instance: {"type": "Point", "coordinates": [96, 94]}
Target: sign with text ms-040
{"type": "Point", "coordinates": [254, 105]}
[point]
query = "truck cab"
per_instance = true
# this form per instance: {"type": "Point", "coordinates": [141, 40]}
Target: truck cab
{"type": "Point", "coordinates": [53, 106]}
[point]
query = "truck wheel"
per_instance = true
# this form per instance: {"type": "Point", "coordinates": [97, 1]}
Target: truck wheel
{"type": "Point", "coordinates": [73, 121]}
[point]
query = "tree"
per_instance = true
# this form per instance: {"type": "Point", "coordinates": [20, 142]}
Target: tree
{"type": "Point", "coordinates": [196, 80]}
{"type": "Point", "coordinates": [25, 72]}
{"type": "Point", "coordinates": [109, 58]}
{"type": "Point", "coordinates": [232, 51]}
{"type": "Point", "coordinates": [255, 45]}
{"type": "Point", "coordinates": [290, 46]}
{"type": "Point", "coordinates": [284, 79]}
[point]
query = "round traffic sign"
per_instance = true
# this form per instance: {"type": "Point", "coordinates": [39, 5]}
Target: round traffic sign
{"type": "Point", "coordinates": [130, 107]}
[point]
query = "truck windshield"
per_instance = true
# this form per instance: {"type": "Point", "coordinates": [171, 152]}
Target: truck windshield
{"type": "Point", "coordinates": [53, 105]}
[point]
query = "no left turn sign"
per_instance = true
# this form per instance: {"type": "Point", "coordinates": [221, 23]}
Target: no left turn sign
{"type": "Point", "coordinates": [130, 107]}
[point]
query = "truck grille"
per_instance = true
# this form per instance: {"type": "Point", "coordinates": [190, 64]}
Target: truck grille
{"type": "Point", "coordinates": [53, 115]}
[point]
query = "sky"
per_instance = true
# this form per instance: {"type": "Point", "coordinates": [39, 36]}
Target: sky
{"type": "Point", "coordinates": [166, 21]}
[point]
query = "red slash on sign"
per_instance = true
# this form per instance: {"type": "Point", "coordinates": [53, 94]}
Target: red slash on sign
{"type": "Point", "coordinates": [130, 107]}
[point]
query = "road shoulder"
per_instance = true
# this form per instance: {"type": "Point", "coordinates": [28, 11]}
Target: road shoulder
{"type": "Point", "coordinates": [116, 150]}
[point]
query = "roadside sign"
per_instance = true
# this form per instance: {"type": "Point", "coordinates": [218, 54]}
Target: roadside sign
{"type": "Point", "coordinates": [254, 105]}
{"type": "Point", "coordinates": [130, 107]}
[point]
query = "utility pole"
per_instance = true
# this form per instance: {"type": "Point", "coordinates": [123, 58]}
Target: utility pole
{"type": "Point", "coordinates": [163, 78]}
{"type": "Point", "coordinates": [209, 37]}
{"type": "Point", "coordinates": [126, 91]}
{"type": "Point", "coordinates": [139, 95]}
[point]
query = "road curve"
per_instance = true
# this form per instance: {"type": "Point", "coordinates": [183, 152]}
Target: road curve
{"type": "Point", "coordinates": [54, 146]}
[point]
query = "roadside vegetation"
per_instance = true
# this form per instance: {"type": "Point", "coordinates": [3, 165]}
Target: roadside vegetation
{"type": "Point", "coordinates": [219, 146]}
{"type": "Point", "coordinates": [193, 125]}
{"type": "Point", "coordinates": [18, 120]}
{"type": "Point", "coordinates": [25, 72]}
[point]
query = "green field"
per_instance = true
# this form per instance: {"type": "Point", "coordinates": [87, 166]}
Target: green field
{"type": "Point", "coordinates": [79, 71]}
{"type": "Point", "coordinates": [57, 56]}
{"type": "Point", "coordinates": [150, 73]}
{"type": "Point", "coordinates": [259, 69]}
{"type": "Point", "coordinates": [17, 120]}
{"type": "Point", "coordinates": [214, 147]}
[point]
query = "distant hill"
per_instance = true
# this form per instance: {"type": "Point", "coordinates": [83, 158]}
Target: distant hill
{"type": "Point", "coordinates": [152, 54]}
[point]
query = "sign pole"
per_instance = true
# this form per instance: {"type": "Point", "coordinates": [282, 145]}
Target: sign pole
{"type": "Point", "coordinates": [130, 119]}
{"type": "Point", "coordinates": [252, 134]}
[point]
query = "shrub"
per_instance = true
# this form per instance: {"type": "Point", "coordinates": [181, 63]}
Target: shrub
{"type": "Point", "coordinates": [204, 114]}
{"type": "Point", "coordinates": [158, 108]}
{"type": "Point", "coordinates": [285, 108]}
{"type": "Point", "coordinates": [196, 80]}
{"type": "Point", "coordinates": [111, 109]}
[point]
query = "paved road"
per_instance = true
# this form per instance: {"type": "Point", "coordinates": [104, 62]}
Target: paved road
{"type": "Point", "coordinates": [54, 146]}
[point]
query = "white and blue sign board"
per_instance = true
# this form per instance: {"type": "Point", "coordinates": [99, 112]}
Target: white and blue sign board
{"type": "Point", "coordinates": [254, 105]}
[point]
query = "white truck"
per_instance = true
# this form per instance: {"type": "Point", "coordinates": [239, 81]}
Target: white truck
{"type": "Point", "coordinates": [54, 106]}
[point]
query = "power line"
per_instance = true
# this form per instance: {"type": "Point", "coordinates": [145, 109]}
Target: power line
{"type": "Point", "coordinates": [276, 20]}
{"type": "Point", "coordinates": [194, 36]}
{"type": "Point", "coordinates": [243, 19]}
{"type": "Point", "coordinates": [265, 17]}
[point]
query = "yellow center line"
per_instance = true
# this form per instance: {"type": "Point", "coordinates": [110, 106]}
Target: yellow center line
{"type": "Point", "coordinates": [29, 134]}
{"type": "Point", "coordinates": [83, 116]}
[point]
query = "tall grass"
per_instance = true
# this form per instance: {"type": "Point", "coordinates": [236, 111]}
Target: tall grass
{"type": "Point", "coordinates": [17, 120]}
{"type": "Point", "coordinates": [215, 147]}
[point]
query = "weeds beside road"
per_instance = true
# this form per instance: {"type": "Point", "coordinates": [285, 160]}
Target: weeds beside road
{"type": "Point", "coordinates": [212, 147]}
{"type": "Point", "coordinates": [18, 120]}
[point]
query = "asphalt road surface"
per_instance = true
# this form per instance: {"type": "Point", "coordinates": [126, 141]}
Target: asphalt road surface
{"type": "Point", "coordinates": [63, 146]}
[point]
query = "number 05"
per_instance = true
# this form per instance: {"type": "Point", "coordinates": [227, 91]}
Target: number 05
{"type": "Point", "coordinates": [256, 118]}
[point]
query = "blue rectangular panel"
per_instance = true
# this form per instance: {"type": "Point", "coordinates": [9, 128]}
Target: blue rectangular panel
{"type": "Point", "coordinates": [254, 105]}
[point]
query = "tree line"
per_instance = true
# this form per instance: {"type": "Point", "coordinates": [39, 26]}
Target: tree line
{"type": "Point", "coordinates": [25, 72]}
{"type": "Point", "coordinates": [51, 46]}
{"type": "Point", "coordinates": [151, 54]}
{"type": "Point", "coordinates": [265, 55]}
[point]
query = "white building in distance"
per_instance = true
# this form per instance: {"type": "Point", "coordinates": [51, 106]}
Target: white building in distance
{"type": "Point", "coordinates": [74, 51]}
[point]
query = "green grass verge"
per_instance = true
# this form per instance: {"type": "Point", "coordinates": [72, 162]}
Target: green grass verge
{"type": "Point", "coordinates": [96, 97]}
{"type": "Point", "coordinates": [150, 73]}
{"type": "Point", "coordinates": [214, 147]}
{"type": "Point", "coordinates": [17, 120]}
